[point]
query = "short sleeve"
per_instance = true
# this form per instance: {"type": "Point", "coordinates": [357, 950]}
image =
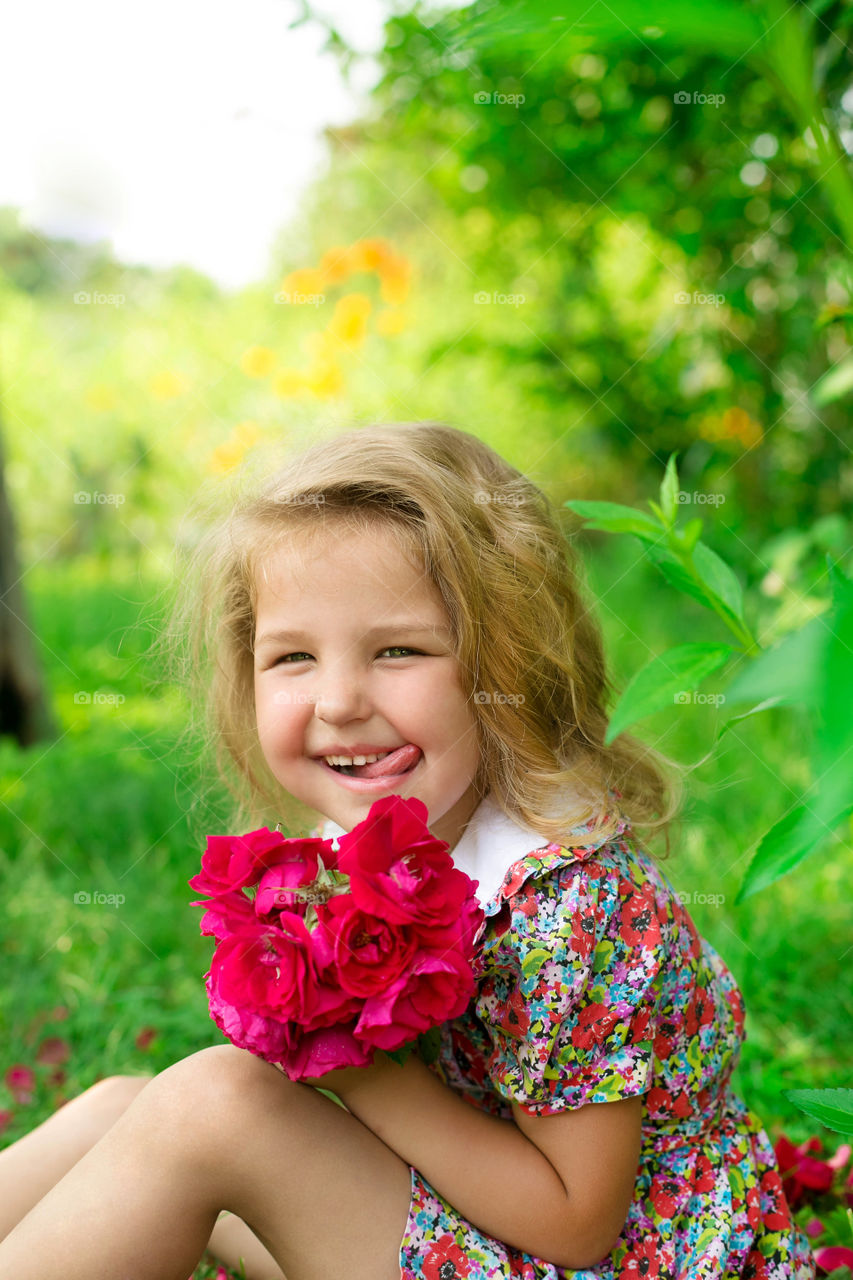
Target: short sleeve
{"type": "Point", "coordinates": [570, 989]}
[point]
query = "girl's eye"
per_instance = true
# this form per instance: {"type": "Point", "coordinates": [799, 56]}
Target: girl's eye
{"type": "Point", "coordinates": [399, 648]}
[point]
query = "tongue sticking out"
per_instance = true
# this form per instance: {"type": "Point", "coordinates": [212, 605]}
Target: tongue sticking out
{"type": "Point", "coordinates": [395, 762]}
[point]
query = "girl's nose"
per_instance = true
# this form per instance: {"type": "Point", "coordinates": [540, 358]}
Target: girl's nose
{"type": "Point", "coordinates": [339, 697]}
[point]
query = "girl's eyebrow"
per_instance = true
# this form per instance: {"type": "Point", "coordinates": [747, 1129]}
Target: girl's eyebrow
{"type": "Point", "coordinates": [406, 627]}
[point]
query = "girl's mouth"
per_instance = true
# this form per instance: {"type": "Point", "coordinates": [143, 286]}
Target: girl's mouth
{"type": "Point", "coordinates": [370, 785]}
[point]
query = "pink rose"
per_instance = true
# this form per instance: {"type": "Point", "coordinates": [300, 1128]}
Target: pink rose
{"type": "Point", "coordinates": [321, 1051]}
{"type": "Point", "coordinates": [365, 952]}
{"type": "Point", "coordinates": [264, 1036]}
{"type": "Point", "coordinates": [398, 870]}
{"type": "Point", "coordinates": [225, 915]}
{"type": "Point", "coordinates": [295, 868]}
{"type": "Point", "coordinates": [232, 862]}
{"type": "Point", "coordinates": [437, 988]}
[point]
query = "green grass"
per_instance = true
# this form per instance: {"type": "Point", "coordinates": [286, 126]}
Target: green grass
{"type": "Point", "coordinates": [110, 807]}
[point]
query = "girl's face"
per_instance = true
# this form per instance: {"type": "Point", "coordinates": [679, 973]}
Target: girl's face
{"type": "Point", "coordinates": [353, 657]}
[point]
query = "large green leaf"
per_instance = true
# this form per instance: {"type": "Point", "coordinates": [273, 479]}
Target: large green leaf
{"type": "Point", "coordinates": [703, 591]}
{"type": "Point", "coordinates": [658, 684]}
{"type": "Point", "coordinates": [832, 1107]}
{"type": "Point", "coordinates": [719, 578]}
{"type": "Point", "coordinates": [613, 517]}
{"type": "Point", "coordinates": [789, 673]}
{"type": "Point", "coordinates": [785, 845]}
{"type": "Point", "coordinates": [722, 25]}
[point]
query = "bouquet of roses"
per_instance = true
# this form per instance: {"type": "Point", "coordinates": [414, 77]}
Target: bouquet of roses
{"type": "Point", "coordinates": [324, 956]}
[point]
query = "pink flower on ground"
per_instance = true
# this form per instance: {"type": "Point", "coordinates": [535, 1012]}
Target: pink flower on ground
{"type": "Point", "coordinates": [21, 1083]}
{"type": "Point", "coordinates": [144, 1037]}
{"type": "Point", "coordinates": [5, 1119]}
{"type": "Point", "coordinates": [834, 1255]}
{"type": "Point", "coordinates": [803, 1174]}
{"type": "Point", "coordinates": [54, 1050]}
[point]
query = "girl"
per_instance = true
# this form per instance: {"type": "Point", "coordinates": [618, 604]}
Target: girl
{"type": "Point", "coordinates": [401, 592]}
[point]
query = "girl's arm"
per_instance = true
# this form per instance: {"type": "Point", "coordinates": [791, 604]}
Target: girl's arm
{"type": "Point", "coordinates": [558, 1186]}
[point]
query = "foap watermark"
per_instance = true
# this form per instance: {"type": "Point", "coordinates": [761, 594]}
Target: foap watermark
{"type": "Point", "coordinates": [83, 898]}
{"type": "Point", "coordinates": [697, 299]}
{"type": "Point", "coordinates": [484, 299]}
{"type": "Point", "coordinates": [701, 499]}
{"type": "Point", "coordinates": [100, 697]}
{"type": "Point", "coordinates": [707, 899]}
{"type": "Point", "coordinates": [485, 98]}
{"type": "Point", "coordinates": [686, 697]}
{"type": "Point", "coordinates": [484, 496]}
{"type": "Point", "coordinates": [86, 298]}
{"type": "Point", "coordinates": [284, 697]}
{"type": "Point", "coordinates": [304, 499]}
{"type": "Point", "coordinates": [511, 699]}
{"type": "Point", "coordinates": [293, 298]}
{"type": "Point", "coordinates": [683, 98]}
{"type": "Point", "coordinates": [91, 497]}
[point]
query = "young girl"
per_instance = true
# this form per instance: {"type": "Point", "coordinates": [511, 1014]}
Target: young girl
{"type": "Point", "coordinates": [401, 592]}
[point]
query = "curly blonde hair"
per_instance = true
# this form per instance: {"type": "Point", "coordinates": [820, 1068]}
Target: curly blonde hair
{"type": "Point", "coordinates": [530, 652]}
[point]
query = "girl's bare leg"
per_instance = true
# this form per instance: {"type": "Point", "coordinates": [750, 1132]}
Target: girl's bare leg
{"type": "Point", "coordinates": [30, 1167]}
{"type": "Point", "coordinates": [221, 1130]}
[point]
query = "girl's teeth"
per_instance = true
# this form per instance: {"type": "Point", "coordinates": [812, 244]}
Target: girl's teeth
{"type": "Point", "coordinates": [349, 760]}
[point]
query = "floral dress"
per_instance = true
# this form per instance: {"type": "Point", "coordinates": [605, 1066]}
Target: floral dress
{"type": "Point", "coordinates": [593, 985]}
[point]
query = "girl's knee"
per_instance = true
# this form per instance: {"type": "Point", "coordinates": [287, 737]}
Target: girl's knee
{"type": "Point", "coordinates": [214, 1080]}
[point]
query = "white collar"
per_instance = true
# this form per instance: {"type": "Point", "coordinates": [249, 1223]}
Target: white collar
{"type": "Point", "coordinates": [487, 848]}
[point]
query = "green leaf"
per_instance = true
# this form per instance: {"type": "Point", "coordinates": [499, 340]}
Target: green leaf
{"type": "Point", "coordinates": [660, 683]}
{"type": "Point", "coordinates": [719, 579]}
{"type": "Point", "coordinates": [789, 672]}
{"type": "Point", "coordinates": [835, 384]}
{"type": "Point", "coordinates": [753, 711]}
{"type": "Point", "coordinates": [401, 1055]}
{"type": "Point", "coordinates": [785, 845]}
{"type": "Point", "coordinates": [429, 1044]}
{"type": "Point", "coordinates": [832, 1107]}
{"type": "Point", "coordinates": [612, 517]}
{"type": "Point", "coordinates": [690, 534]}
{"type": "Point", "coordinates": [543, 24]}
{"type": "Point", "coordinates": [677, 576]}
{"type": "Point", "coordinates": [669, 491]}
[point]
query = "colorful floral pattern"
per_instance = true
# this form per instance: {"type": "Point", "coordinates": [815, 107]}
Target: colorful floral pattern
{"type": "Point", "coordinates": [594, 985]}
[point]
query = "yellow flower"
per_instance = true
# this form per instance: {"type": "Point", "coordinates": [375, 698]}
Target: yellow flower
{"type": "Point", "coordinates": [226, 457]}
{"type": "Point", "coordinates": [396, 279]}
{"type": "Point", "coordinates": [335, 264]}
{"type": "Point", "coordinates": [349, 322]}
{"type": "Point", "coordinates": [289, 382]}
{"type": "Point", "coordinates": [391, 321]}
{"type": "Point", "coordinates": [325, 380]}
{"type": "Point", "coordinates": [307, 280]}
{"type": "Point", "coordinates": [370, 255]}
{"type": "Point", "coordinates": [166, 385]}
{"type": "Point", "coordinates": [258, 362]}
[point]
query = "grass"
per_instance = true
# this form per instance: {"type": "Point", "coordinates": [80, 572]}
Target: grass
{"type": "Point", "coordinates": [110, 808]}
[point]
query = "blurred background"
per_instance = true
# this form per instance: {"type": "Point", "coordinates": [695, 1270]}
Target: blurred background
{"type": "Point", "coordinates": [591, 241]}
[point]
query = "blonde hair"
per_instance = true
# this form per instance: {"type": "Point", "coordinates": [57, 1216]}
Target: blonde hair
{"type": "Point", "coordinates": [530, 653]}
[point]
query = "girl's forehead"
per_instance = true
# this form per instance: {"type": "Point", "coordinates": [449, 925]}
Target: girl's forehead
{"type": "Point", "coordinates": [298, 547]}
